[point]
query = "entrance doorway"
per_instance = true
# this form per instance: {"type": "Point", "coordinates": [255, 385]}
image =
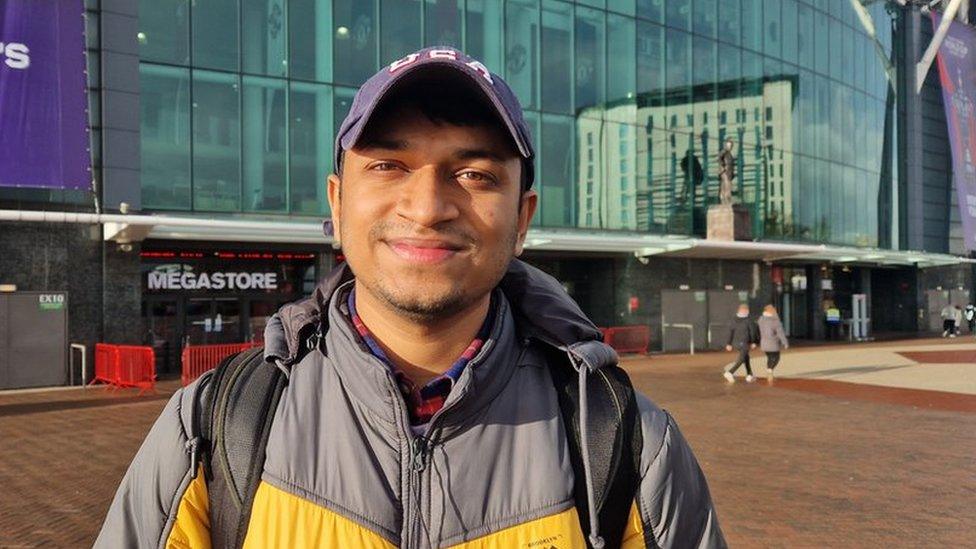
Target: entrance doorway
{"type": "Point", "coordinates": [210, 321]}
{"type": "Point", "coordinates": [164, 331]}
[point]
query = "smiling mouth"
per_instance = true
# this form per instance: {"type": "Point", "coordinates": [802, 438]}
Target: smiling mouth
{"type": "Point", "coordinates": [424, 251]}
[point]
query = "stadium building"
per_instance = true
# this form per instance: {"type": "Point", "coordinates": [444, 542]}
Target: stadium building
{"type": "Point", "coordinates": [211, 127]}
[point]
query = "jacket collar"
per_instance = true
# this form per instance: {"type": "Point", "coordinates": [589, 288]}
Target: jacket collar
{"type": "Point", "coordinates": [539, 305]}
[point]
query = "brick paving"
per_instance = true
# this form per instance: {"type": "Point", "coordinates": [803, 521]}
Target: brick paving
{"type": "Point", "coordinates": [788, 467]}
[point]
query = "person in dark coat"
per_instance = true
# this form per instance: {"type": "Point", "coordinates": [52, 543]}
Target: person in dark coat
{"type": "Point", "coordinates": [743, 337]}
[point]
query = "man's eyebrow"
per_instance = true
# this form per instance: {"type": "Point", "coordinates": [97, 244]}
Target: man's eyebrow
{"type": "Point", "coordinates": [473, 154]}
{"type": "Point", "coordinates": [387, 144]}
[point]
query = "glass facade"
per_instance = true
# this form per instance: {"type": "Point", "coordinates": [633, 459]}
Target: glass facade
{"type": "Point", "coordinates": [629, 102]}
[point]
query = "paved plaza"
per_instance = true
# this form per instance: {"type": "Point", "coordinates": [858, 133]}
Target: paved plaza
{"type": "Point", "coordinates": [866, 445]}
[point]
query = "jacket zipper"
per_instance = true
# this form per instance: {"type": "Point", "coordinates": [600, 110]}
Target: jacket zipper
{"type": "Point", "coordinates": [421, 448]}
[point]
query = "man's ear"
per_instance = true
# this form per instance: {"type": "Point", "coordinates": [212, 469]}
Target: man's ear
{"type": "Point", "coordinates": [528, 202]}
{"type": "Point", "coordinates": [335, 204]}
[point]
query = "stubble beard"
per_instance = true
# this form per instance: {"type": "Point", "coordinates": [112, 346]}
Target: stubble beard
{"type": "Point", "coordinates": [432, 308]}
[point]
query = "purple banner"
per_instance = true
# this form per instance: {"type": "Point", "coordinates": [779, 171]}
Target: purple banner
{"type": "Point", "coordinates": [957, 72]}
{"type": "Point", "coordinates": [43, 95]}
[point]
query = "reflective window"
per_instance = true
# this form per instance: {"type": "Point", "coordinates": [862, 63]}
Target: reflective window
{"type": "Point", "coordinates": [164, 136]}
{"type": "Point", "coordinates": [789, 27]}
{"type": "Point", "coordinates": [806, 53]}
{"type": "Point", "coordinates": [677, 14]}
{"type": "Point", "coordinates": [626, 7]}
{"type": "Point", "coordinates": [164, 31]}
{"type": "Point", "coordinates": [216, 35]}
{"type": "Point", "coordinates": [522, 49]}
{"type": "Point", "coordinates": [557, 56]}
{"type": "Point", "coordinates": [356, 48]}
{"type": "Point", "coordinates": [752, 24]}
{"type": "Point", "coordinates": [400, 20]}
{"type": "Point", "coordinates": [483, 33]}
{"type": "Point", "coordinates": [310, 39]}
{"type": "Point", "coordinates": [704, 17]}
{"type": "Point", "coordinates": [216, 142]}
{"type": "Point", "coordinates": [629, 101]}
{"type": "Point", "coordinates": [652, 10]}
{"type": "Point", "coordinates": [265, 25]}
{"type": "Point", "coordinates": [557, 163]}
{"type": "Point", "coordinates": [729, 22]}
{"type": "Point", "coordinates": [590, 57]}
{"type": "Point", "coordinates": [621, 58]}
{"type": "Point", "coordinates": [650, 63]}
{"type": "Point", "coordinates": [443, 23]}
{"type": "Point", "coordinates": [772, 27]}
{"type": "Point", "coordinates": [265, 154]}
{"type": "Point", "coordinates": [310, 134]}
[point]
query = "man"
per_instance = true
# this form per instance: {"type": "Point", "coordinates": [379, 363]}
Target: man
{"type": "Point", "coordinates": [743, 336]}
{"type": "Point", "coordinates": [425, 413]}
{"type": "Point", "coordinates": [948, 315]}
{"type": "Point", "coordinates": [970, 314]}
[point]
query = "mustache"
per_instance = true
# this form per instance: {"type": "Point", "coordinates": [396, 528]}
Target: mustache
{"type": "Point", "coordinates": [386, 230]}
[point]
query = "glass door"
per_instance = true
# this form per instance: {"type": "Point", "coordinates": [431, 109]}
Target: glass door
{"type": "Point", "coordinates": [161, 319]}
{"type": "Point", "coordinates": [211, 321]}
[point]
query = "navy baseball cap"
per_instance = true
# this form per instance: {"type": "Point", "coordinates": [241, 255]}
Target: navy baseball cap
{"type": "Point", "coordinates": [444, 62]}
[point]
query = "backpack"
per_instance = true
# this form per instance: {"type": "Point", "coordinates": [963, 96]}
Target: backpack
{"type": "Point", "coordinates": [235, 403]}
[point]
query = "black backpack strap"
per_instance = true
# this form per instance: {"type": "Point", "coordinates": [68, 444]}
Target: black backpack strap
{"type": "Point", "coordinates": [615, 442]}
{"type": "Point", "coordinates": [235, 416]}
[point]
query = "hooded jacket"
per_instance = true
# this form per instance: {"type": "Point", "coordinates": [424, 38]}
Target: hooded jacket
{"type": "Point", "coordinates": [772, 337]}
{"type": "Point", "coordinates": [743, 332]}
{"type": "Point", "coordinates": [340, 470]}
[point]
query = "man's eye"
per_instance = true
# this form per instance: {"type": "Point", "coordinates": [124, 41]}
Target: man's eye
{"type": "Point", "coordinates": [384, 166]}
{"type": "Point", "coordinates": [476, 177]}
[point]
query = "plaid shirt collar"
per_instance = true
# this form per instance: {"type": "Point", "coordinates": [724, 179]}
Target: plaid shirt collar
{"type": "Point", "coordinates": [423, 402]}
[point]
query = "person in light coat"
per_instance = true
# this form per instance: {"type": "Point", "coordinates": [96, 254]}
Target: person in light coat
{"type": "Point", "coordinates": [772, 339]}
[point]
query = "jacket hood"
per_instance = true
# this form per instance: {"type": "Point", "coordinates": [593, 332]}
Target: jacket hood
{"type": "Point", "coordinates": [540, 305]}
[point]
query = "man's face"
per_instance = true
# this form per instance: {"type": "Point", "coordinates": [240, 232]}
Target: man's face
{"type": "Point", "coordinates": [429, 214]}
{"type": "Point", "coordinates": [728, 145]}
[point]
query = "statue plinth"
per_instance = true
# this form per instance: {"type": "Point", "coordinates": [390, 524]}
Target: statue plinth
{"type": "Point", "coordinates": [729, 222]}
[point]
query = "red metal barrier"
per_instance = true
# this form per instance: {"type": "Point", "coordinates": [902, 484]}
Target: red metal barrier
{"type": "Point", "coordinates": [125, 366]}
{"type": "Point", "coordinates": [628, 339]}
{"type": "Point", "coordinates": [198, 359]}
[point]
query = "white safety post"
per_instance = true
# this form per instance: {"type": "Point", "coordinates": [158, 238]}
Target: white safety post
{"type": "Point", "coordinates": [84, 363]}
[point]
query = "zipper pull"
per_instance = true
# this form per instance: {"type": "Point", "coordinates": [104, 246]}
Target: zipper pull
{"type": "Point", "coordinates": [418, 453]}
{"type": "Point", "coordinates": [313, 340]}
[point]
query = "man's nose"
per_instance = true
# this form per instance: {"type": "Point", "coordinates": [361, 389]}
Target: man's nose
{"type": "Point", "coordinates": [427, 198]}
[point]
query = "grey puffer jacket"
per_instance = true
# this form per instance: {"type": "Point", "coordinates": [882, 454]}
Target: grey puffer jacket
{"type": "Point", "coordinates": [772, 338]}
{"type": "Point", "coordinates": [340, 470]}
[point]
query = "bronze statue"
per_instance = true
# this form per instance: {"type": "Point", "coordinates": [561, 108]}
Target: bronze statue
{"type": "Point", "coordinates": [726, 163]}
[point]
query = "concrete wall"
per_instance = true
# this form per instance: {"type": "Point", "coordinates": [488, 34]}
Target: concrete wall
{"type": "Point", "coordinates": [103, 284]}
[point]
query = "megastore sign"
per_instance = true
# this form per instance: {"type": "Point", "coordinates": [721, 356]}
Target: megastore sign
{"type": "Point", "coordinates": [228, 280]}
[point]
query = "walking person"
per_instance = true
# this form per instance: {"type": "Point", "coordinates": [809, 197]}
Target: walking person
{"type": "Point", "coordinates": [957, 319]}
{"type": "Point", "coordinates": [948, 315]}
{"type": "Point", "coordinates": [743, 337]}
{"type": "Point", "coordinates": [772, 339]}
{"type": "Point", "coordinates": [969, 313]}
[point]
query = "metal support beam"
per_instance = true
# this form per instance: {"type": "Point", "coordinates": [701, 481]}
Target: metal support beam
{"type": "Point", "coordinates": [868, 23]}
{"type": "Point", "coordinates": [923, 66]}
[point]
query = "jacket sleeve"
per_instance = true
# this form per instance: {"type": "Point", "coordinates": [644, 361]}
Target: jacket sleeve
{"type": "Point", "coordinates": [144, 510]}
{"type": "Point", "coordinates": [673, 500]}
{"type": "Point", "coordinates": [781, 334]}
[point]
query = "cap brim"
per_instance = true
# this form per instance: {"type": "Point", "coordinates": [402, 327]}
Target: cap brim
{"type": "Point", "coordinates": [445, 69]}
